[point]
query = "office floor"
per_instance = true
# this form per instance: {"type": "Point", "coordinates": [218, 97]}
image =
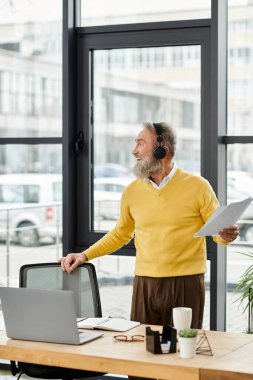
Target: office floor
{"type": "Point", "coordinates": [6, 375]}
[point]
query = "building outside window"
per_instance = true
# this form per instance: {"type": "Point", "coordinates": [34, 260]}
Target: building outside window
{"type": "Point", "coordinates": [169, 90]}
{"type": "Point", "coordinates": [30, 111]}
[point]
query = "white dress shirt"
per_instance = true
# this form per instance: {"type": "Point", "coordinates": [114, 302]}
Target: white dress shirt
{"type": "Point", "coordinates": [165, 180]}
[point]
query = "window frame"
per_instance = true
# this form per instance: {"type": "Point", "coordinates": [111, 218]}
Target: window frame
{"type": "Point", "coordinates": [176, 33]}
{"type": "Point", "coordinates": [77, 89]}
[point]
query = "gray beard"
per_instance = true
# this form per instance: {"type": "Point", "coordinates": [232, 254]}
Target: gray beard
{"type": "Point", "coordinates": [147, 167]}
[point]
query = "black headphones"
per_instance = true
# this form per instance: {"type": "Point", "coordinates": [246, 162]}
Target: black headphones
{"type": "Point", "coordinates": [159, 152]}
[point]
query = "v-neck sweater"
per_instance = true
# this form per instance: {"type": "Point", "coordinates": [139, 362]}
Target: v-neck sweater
{"type": "Point", "coordinates": [163, 223]}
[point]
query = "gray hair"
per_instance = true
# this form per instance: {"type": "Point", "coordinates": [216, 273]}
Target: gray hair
{"type": "Point", "coordinates": [168, 135]}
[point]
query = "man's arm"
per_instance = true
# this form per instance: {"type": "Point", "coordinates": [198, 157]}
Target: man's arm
{"type": "Point", "coordinates": [111, 242]}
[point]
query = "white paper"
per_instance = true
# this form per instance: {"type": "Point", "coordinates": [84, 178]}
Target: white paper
{"type": "Point", "coordinates": [112, 324]}
{"type": "Point", "coordinates": [165, 347]}
{"type": "Point", "coordinates": [91, 323]}
{"type": "Point", "coordinates": [223, 217]}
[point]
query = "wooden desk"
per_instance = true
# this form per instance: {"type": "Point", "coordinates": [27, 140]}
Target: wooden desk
{"type": "Point", "coordinates": [233, 355]}
{"type": "Point", "coordinates": [238, 364]}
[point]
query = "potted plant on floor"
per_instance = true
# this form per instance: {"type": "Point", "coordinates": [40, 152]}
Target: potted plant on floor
{"type": "Point", "coordinates": [187, 339]}
{"type": "Point", "coordinates": [245, 286]}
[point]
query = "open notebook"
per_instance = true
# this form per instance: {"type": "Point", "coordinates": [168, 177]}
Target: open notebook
{"type": "Point", "coordinates": [112, 324]}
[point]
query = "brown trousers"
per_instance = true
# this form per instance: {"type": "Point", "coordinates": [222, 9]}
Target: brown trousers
{"type": "Point", "coordinates": [154, 298]}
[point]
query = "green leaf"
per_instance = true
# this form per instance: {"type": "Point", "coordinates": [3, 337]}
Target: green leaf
{"type": "Point", "coordinates": [188, 333]}
{"type": "Point", "coordinates": [245, 285]}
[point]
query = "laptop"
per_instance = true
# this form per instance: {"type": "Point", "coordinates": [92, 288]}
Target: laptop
{"type": "Point", "coordinates": [42, 315]}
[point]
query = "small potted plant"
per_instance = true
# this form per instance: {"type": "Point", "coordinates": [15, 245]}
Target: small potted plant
{"type": "Point", "coordinates": [187, 342]}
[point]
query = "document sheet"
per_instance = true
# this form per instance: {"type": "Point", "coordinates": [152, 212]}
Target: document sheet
{"type": "Point", "coordinates": [223, 217]}
{"type": "Point", "coordinates": [112, 324]}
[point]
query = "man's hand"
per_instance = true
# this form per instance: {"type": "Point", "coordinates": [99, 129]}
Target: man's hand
{"type": "Point", "coordinates": [229, 234]}
{"type": "Point", "coordinates": [72, 261]}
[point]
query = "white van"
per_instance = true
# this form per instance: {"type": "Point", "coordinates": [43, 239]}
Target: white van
{"type": "Point", "coordinates": [30, 208]}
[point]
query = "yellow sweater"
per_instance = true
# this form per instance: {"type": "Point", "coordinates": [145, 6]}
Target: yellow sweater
{"type": "Point", "coordinates": [163, 223]}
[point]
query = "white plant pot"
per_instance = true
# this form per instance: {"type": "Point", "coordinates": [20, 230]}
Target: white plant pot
{"type": "Point", "coordinates": [187, 347]}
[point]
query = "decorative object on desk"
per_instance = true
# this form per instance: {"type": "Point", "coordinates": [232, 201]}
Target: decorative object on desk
{"type": "Point", "coordinates": [165, 343]}
{"type": "Point", "coordinates": [187, 342]}
{"type": "Point", "coordinates": [203, 345]}
{"type": "Point", "coordinates": [182, 317]}
{"type": "Point", "coordinates": [126, 338]}
{"type": "Point", "coordinates": [245, 286]}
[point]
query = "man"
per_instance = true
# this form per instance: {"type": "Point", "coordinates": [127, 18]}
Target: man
{"type": "Point", "coordinates": [163, 208]}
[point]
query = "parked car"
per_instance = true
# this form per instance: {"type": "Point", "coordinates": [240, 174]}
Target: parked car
{"type": "Point", "coordinates": [109, 169]}
{"type": "Point", "coordinates": [30, 207]}
{"type": "Point", "coordinates": [108, 191]}
{"type": "Point", "coordinates": [107, 196]}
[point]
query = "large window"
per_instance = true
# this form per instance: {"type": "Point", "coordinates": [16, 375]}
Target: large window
{"type": "Point", "coordinates": [125, 96]}
{"type": "Point", "coordinates": [135, 62]}
{"type": "Point", "coordinates": [160, 73]}
{"type": "Point", "coordinates": [30, 134]}
{"type": "Point", "coordinates": [239, 156]}
{"type": "Point", "coordinates": [145, 70]}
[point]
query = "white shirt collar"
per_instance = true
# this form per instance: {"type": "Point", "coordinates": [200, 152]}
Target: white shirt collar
{"type": "Point", "coordinates": [165, 180]}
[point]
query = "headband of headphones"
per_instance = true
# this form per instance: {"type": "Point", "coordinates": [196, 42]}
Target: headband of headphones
{"type": "Point", "coordinates": [158, 129]}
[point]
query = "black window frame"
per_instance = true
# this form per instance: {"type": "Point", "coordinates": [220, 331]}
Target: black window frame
{"type": "Point", "coordinates": [78, 120]}
{"type": "Point", "coordinates": [177, 33]}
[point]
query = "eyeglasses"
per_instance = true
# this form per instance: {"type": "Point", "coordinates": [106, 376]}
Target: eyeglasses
{"type": "Point", "coordinates": [126, 338]}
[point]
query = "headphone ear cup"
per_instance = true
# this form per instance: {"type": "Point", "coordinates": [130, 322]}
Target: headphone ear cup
{"type": "Point", "coordinates": [159, 152]}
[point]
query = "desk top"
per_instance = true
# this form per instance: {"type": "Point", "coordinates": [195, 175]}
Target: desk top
{"type": "Point", "coordinates": [232, 353]}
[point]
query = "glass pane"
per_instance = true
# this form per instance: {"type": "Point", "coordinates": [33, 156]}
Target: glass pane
{"type": "Point", "coordinates": [240, 68]}
{"type": "Point", "coordinates": [240, 186]}
{"type": "Point", "coordinates": [30, 207]}
{"type": "Point", "coordinates": [99, 12]}
{"type": "Point", "coordinates": [30, 68]}
{"type": "Point", "coordinates": [115, 278]}
{"type": "Point", "coordinates": [132, 86]}
{"type": "Point", "coordinates": [206, 317]}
